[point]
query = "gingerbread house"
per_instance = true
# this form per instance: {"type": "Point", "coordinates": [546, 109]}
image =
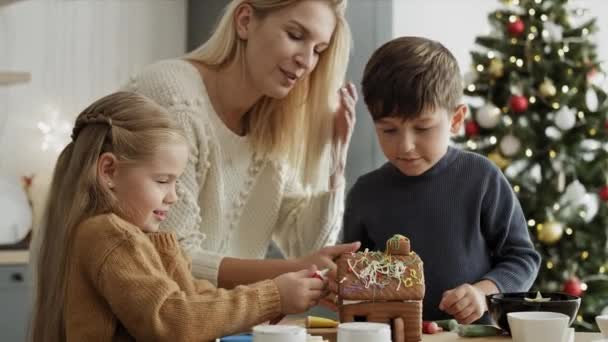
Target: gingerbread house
{"type": "Point", "coordinates": [384, 287]}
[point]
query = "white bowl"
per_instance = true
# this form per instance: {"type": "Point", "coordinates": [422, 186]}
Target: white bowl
{"type": "Point", "coordinates": [364, 332]}
{"type": "Point", "coordinates": [538, 326]}
{"type": "Point", "coordinates": [602, 323]}
{"type": "Point", "coordinates": [279, 333]}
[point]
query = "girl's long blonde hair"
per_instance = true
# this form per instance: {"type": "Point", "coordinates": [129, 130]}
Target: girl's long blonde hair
{"type": "Point", "coordinates": [299, 127]}
{"type": "Point", "coordinates": [131, 127]}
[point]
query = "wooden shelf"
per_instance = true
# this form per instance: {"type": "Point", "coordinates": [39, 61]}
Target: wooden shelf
{"type": "Point", "coordinates": [14, 77]}
{"type": "Point", "coordinates": [14, 257]}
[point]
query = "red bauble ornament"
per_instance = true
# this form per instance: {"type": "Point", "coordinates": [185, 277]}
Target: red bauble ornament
{"type": "Point", "coordinates": [518, 103]}
{"type": "Point", "coordinates": [516, 28]}
{"type": "Point", "coordinates": [604, 193]}
{"type": "Point", "coordinates": [606, 125]}
{"type": "Point", "coordinates": [573, 287]}
{"type": "Point", "coordinates": [471, 128]}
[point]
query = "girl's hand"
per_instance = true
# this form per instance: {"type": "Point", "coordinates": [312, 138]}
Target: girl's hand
{"type": "Point", "coordinates": [299, 291]}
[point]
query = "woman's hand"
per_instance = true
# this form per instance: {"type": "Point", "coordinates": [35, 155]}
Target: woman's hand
{"type": "Point", "coordinates": [344, 125]}
{"type": "Point", "coordinates": [325, 259]}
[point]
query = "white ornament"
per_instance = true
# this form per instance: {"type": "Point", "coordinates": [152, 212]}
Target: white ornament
{"type": "Point", "coordinates": [574, 192]}
{"type": "Point", "coordinates": [535, 173]}
{"type": "Point", "coordinates": [561, 181]}
{"type": "Point", "coordinates": [576, 198]}
{"type": "Point", "coordinates": [591, 100]}
{"type": "Point", "coordinates": [470, 78]}
{"type": "Point", "coordinates": [554, 33]}
{"type": "Point", "coordinates": [488, 116]}
{"type": "Point", "coordinates": [565, 118]}
{"type": "Point", "coordinates": [510, 145]}
{"type": "Point", "coordinates": [516, 167]}
{"type": "Point", "coordinates": [16, 212]}
{"type": "Point", "coordinates": [591, 205]}
{"type": "Point", "coordinates": [553, 133]}
{"type": "Point", "coordinates": [589, 145]}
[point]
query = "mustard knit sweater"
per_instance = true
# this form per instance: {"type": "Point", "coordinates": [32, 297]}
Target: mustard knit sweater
{"type": "Point", "coordinates": [124, 284]}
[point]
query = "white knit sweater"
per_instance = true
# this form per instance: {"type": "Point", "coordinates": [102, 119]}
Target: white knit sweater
{"type": "Point", "coordinates": [233, 201]}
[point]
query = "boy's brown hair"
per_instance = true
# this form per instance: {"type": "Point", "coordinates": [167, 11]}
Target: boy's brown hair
{"type": "Point", "coordinates": [409, 76]}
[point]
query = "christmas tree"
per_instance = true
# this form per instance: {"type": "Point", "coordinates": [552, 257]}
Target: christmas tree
{"type": "Point", "coordinates": [539, 111]}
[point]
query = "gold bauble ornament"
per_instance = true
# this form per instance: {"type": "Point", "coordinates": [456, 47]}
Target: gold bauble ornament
{"type": "Point", "coordinates": [496, 68]}
{"type": "Point", "coordinates": [547, 88]}
{"type": "Point", "coordinates": [550, 232]}
{"type": "Point", "coordinates": [499, 160]}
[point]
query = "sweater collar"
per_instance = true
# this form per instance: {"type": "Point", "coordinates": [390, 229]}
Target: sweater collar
{"type": "Point", "coordinates": [164, 241]}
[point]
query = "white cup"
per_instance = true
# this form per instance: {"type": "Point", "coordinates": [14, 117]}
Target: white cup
{"type": "Point", "coordinates": [364, 332]}
{"type": "Point", "coordinates": [602, 323]}
{"type": "Point", "coordinates": [279, 333]}
{"type": "Point", "coordinates": [538, 326]}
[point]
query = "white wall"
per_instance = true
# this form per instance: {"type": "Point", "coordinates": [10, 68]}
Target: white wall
{"type": "Point", "coordinates": [77, 51]}
{"type": "Point", "coordinates": [456, 23]}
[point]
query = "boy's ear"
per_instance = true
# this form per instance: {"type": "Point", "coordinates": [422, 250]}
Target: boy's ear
{"type": "Point", "coordinates": [458, 118]}
{"type": "Point", "coordinates": [242, 20]}
{"type": "Point", "coordinates": [107, 168]}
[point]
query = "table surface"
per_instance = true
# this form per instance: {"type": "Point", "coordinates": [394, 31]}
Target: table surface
{"type": "Point", "coordinates": [330, 335]}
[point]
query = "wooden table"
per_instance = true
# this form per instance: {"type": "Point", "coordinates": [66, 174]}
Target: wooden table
{"type": "Point", "coordinates": [330, 335]}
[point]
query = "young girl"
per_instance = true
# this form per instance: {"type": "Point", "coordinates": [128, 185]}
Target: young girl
{"type": "Point", "coordinates": [105, 272]}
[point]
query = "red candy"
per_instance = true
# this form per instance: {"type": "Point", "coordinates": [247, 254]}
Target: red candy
{"type": "Point", "coordinates": [429, 327]}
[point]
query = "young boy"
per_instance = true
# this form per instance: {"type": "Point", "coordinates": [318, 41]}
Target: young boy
{"type": "Point", "coordinates": [456, 207]}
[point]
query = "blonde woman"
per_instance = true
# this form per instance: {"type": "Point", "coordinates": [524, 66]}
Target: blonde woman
{"type": "Point", "coordinates": [268, 123]}
{"type": "Point", "coordinates": [105, 272]}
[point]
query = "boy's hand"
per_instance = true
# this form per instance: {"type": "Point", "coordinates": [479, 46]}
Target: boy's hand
{"type": "Point", "coordinates": [466, 303]}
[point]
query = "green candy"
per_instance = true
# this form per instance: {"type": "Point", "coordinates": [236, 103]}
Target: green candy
{"type": "Point", "coordinates": [478, 330]}
{"type": "Point", "coordinates": [447, 324]}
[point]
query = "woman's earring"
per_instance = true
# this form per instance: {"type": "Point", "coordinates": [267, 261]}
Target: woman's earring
{"type": "Point", "coordinates": [110, 185]}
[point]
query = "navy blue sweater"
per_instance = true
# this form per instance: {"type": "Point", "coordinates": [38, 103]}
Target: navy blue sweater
{"type": "Point", "coordinates": [461, 216]}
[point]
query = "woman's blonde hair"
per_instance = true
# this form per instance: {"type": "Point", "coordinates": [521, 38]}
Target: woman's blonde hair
{"type": "Point", "coordinates": [297, 128]}
{"type": "Point", "coordinates": [131, 127]}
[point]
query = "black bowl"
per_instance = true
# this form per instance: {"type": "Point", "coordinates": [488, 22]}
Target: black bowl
{"type": "Point", "coordinates": [500, 304]}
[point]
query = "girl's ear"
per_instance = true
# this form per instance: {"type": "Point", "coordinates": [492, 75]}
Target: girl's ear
{"type": "Point", "coordinates": [243, 18]}
{"type": "Point", "coordinates": [458, 118]}
{"type": "Point", "coordinates": [107, 166]}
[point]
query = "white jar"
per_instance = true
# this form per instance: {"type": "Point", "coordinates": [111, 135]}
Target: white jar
{"type": "Point", "coordinates": [364, 332]}
{"type": "Point", "coordinates": [279, 333]}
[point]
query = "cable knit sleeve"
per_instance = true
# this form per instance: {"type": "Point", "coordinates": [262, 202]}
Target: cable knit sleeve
{"type": "Point", "coordinates": [173, 85]}
{"type": "Point", "coordinates": [152, 307]}
{"type": "Point", "coordinates": [307, 221]}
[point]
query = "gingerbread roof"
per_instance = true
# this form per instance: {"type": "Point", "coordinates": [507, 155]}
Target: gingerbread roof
{"type": "Point", "coordinates": [396, 274]}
